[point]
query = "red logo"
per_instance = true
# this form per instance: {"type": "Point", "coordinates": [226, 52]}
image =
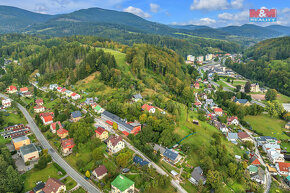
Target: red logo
{"type": "Point", "coordinates": [266, 15]}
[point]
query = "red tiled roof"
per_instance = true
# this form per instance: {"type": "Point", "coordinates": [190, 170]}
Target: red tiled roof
{"type": "Point", "coordinates": [283, 166]}
{"type": "Point", "coordinates": [46, 114]}
{"type": "Point", "coordinates": [125, 133]}
{"type": "Point", "coordinates": [197, 103]}
{"type": "Point", "coordinates": [38, 101]}
{"type": "Point", "coordinates": [52, 185]}
{"type": "Point", "coordinates": [218, 110]}
{"type": "Point", "coordinates": [62, 131]}
{"type": "Point", "coordinates": [115, 139]}
{"type": "Point", "coordinates": [47, 118]}
{"type": "Point", "coordinates": [63, 90]}
{"type": "Point", "coordinates": [100, 130]}
{"type": "Point", "coordinates": [23, 89]}
{"type": "Point", "coordinates": [12, 87]}
{"type": "Point", "coordinates": [232, 118]}
{"type": "Point", "coordinates": [59, 88]}
{"type": "Point", "coordinates": [147, 107]}
{"type": "Point", "coordinates": [109, 122]}
{"type": "Point", "coordinates": [101, 170]}
{"type": "Point", "coordinates": [74, 94]}
{"type": "Point", "coordinates": [243, 135]}
{"type": "Point", "coordinates": [67, 143]}
{"type": "Point", "coordinates": [53, 125]}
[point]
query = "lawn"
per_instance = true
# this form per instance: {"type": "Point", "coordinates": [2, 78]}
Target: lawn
{"type": "Point", "coordinates": [13, 118]}
{"type": "Point", "coordinates": [33, 176]}
{"type": "Point", "coordinates": [283, 98]}
{"type": "Point", "coordinates": [239, 82]}
{"type": "Point", "coordinates": [79, 190]}
{"type": "Point", "coordinates": [69, 182]}
{"type": "Point", "coordinates": [267, 126]}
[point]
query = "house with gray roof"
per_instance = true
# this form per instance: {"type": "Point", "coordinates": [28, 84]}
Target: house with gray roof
{"type": "Point", "coordinates": [159, 148]}
{"type": "Point", "coordinates": [29, 152]}
{"type": "Point", "coordinates": [171, 156]}
{"type": "Point", "coordinates": [266, 140]}
{"type": "Point", "coordinates": [259, 176]}
{"type": "Point", "coordinates": [233, 137]}
{"type": "Point", "coordinates": [197, 175]}
{"type": "Point", "coordinates": [137, 97]}
{"type": "Point", "coordinates": [122, 125]}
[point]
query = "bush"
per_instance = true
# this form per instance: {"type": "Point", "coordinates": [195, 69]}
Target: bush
{"type": "Point", "coordinates": [59, 168]}
{"type": "Point", "coordinates": [27, 163]}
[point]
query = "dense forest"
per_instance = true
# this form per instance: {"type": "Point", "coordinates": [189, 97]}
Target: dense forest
{"type": "Point", "coordinates": [269, 64]}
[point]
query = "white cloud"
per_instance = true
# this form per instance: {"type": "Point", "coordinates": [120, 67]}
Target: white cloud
{"type": "Point", "coordinates": [237, 4]}
{"type": "Point", "coordinates": [234, 18]}
{"type": "Point", "coordinates": [137, 11]}
{"type": "Point", "coordinates": [285, 10]}
{"type": "Point", "coordinates": [154, 8]}
{"type": "Point", "coordinates": [209, 4]}
{"type": "Point", "coordinates": [225, 16]}
{"type": "Point", "coordinates": [207, 21]}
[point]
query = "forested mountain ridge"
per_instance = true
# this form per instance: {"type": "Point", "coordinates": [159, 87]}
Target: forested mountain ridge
{"type": "Point", "coordinates": [268, 63]}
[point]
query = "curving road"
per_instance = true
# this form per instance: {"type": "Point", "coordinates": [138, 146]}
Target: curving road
{"type": "Point", "coordinates": [55, 156]}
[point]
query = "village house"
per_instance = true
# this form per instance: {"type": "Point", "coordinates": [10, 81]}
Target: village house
{"type": "Point", "coordinates": [68, 93]}
{"type": "Point", "coordinates": [59, 89]}
{"type": "Point", "coordinates": [222, 127]}
{"type": "Point", "coordinates": [148, 108]}
{"type": "Point", "coordinates": [29, 152]}
{"type": "Point", "coordinates": [28, 94]}
{"type": "Point", "coordinates": [283, 168]}
{"type": "Point", "coordinates": [75, 96]}
{"type": "Point", "coordinates": [39, 109]}
{"type": "Point", "coordinates": [233, 137]}
{"type": "Point", "coordinates": [76, 116]}
{"type": "Point", "coordinates": [100, 172]}
{"type": "Point", "coordinates": [243, 136]}
{"type": "Point", "coordinates": [122, 125]}
{"type": "Point", "coordinates": [244, 102]}
{"type": "Point", "coordinates": [158, 148]}
{"type": "Point", "coordinates": [196, 176]}
{"type": "Point", "coordinates": [6, 103]}
{"type": "Point", "coordinates": [98, 109]}
{"type": "Point", "coordinates": [266, 139]}
{"type": "Point", "coordinates": [20, 141]}
{"type": "Point", "coordinates": [218, 111]}
{"type": "Point", "coordinates": [196, 85]}
{"type": "Point", "coordinates": [62, 91]}
{"type": "Point", "coordinates": [101, 133]}
{"type": "Point", "coordinates": [255, 88]}
{"type": "Point", "coordinates": [54, 186]}
{"type": "Point", "coordinates": [53, 86]}
{"type": "Point", "coordinates": [208, 102]}
{"type": "Point", "coordinates": [137, 97]}
{"type": "Point", "coordinates": [259, 176]}
{"type": "Point", "coordinates": [287, 126]}
{"type": "Point", "coordinates": [62, 133]}
{"type": "Point", "coordinates": [171, 156]}
{"type": "Point", "coordinates": [67, 146]}
{"type": "Point", "coordinates": [38, 188]}
{"type": "Point", "coordinates": [252, 169]}
{"type": "Point", "coordinates": [275, 156]}
{"type": "Point", "coordinates": [122, 184]}
{"type": "Point", "coordinates": [11, 89]}
{"type": "Point", "coordinates": [138, 160]}
{"type": "Point", "coordinates": [46, 119]}
{"type": "Point", "coordinates": [89, 101]}
{"type": "Point", "coordinates": [233, 120]}
{"type": "Point", "coordinates": [23, 90]}
{"type": "Point", "coordinates": [115, 144]}
{"type": "Point", "coordinates": [254, 160]}
{"type": "Point", "coordinates": [268, 147]}
{"type": "Point", "coordinates": [53, 126]}
{"type": "Point", "coordinates": [39, 101]}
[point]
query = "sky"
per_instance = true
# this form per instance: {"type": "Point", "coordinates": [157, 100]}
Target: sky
{"type": "Point", "coordinates": [214, 13]}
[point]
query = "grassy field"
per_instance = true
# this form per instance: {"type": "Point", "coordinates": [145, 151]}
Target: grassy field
{"type": "Point", "coordinates": [283, 98]}
{"type": "Point", "coordinates": [33, 176]}
{"type": "Point", "coordinates": [13, 118]}
{"type": "Point", "coordinates": [239, 82]}
{"type": "Point", "coordinates": [79, 190]}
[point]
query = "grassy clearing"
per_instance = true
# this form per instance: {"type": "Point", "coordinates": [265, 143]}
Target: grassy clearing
{"type": "Point", "coordinates": [283, 98]}
{"type": "Point", "coordinates": [11, 118]}
{"type": "Point", "coordinates": [69, 182]}
{"type": "Point", "coordinates": [33, 176]}
{"type": "Point", "coordinates": [79, 190]}
{"type": "Point", "coordinates": [239, 82]}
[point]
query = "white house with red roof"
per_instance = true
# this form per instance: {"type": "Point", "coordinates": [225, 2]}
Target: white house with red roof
{"type": "Point", "coordinates": [11, 89]}
{"type": "Point", "coordinates": [196, 85]}
{"type": "Point", "coordinates": [62, 132]}
{"type": "Point", "coordinates": [100, 172]}
{"type": "Point", "coordinates": [243, 136]}
{"type": "Point", "coordinates": [148, 108]}
{"type": "Point", "coordinates": [67, 146]}
{"type": "Point", "coordinates": [39, 101]}
{"type": "Point", "coordinates": [6, 103]}
{"type": "Point", "coordinates": [47, 119]}
{"type": "Point", "coordinates": [53, 126]}
{"type": "Point", "coordinates": [75, 96]}
{"type": "Point", "coordinates": [63, 91]}
{"type": "Point", "coordinates": [283, 168]}
{"type": "Point", "coordinates": [197, 104]}
{"type": "Point", "coordinates": [59, 89]}
{"type": "Point", "coordinates": [233, 120]}
{"type": "Point", "coordinates": [218, 111]}
{"type": "Point", "coordinates": [39, 109]}
{"type": "Point", "coordinates": [24, 90]}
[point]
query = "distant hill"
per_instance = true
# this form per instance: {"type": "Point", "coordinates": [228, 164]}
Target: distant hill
{"type": "Point", "coordinates": [13, 19]}
{"type": "Point", "coordinates": [280, 28]}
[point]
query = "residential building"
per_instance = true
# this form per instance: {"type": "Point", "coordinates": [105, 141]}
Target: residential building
{"type": "Point", "coordinates": [54, 186]}
{"type": "Point", "coordinates": [110, 118]}
{"type": "Point", "coordinates": [254, 160]}
{"type": "Point", "coordinates": [270, 147]}
{"type": "Point", "coordinates": [11, 89]}
{"type": "Point", "coordinates": [190, 58]}
{"type": "Point", "coordinates": [101, 133]}
{"type": "Point", "coordinates": [242, 102]}
{"type": "Point", "coordinates": [29, 152]}
{"type": "Point", "coordinates": [98, 109]}
{"type": "Point", "coordinates": [53, 86]}
{"type": "Point", "coordinates": [266, 139]}
{"type": "Point", "coordinates": [255, 88]}
{"type": "Point", "coordinates": [76, 116]}
{"type": "Point", "coordinates": [233, 120]}
{"type": "Point", "coordinates": [171, 156]}
{"type": "Point", "coordinates": [62, 133]}
{"type": "Point", "coordinates": [243, 136]}
{"type": "Point", "coordinates": [20, 141]}
{"type": "Point", "coordinates": [208, 57]}
{"type": "Point", "coordinates": [137, 97]}
{"type": "Point", "coordinates": [140, 161]}
{"type": "Point", "coordinates": [67, 146]}
{"type": "Point", "coordinates": [259, 176]}
{"type": "Point", "coordinates": [159, 148]}
{"type": "Point", "coordinates": [89, 101]}
{"type": "Point", "coordinates": [122, 184]}
{"type": "Point", "coordinates": [28, 94]}
{"type": "Point", "coordinates": [222, 127]}
{"type": "Point", "coordinates": [115, 144]}
{"type": "Point", "coordinates": [199, 59]}
{"type": "Point", "coordinates": [39, 109]}
{"type": "Point", "coordinates": [233, 137]}
{"type": "Point", "coordinates": [197, 175]}
{"type": "Point", "coordinates": [75, 96]}
{"type": "Point", "coordinates": [196, 85]}
{"type": "Point", "coordinates": [38, 188]}
{"type": "Point", "coordinates": [47, 120]}
{"type": "Point", "coordinates": [100, 172]}
{"type": "Point", "coordinates": [39, 101]}
{"type": "Point", "coordinates": [148, 108]}
{"type": "Point", "coordinates": [283, 168]}
{"type": "Point", "coordinates": [252, 169]}
{"type": "Point", "coordinates": [208, 102]}
{"type": "Point", "coordinates": [275, 156]}
{"type": "Point", "coordinates": [53, 126]}
{"type": "Point", "coordinates": [218, 111]}
{"type": "Point", "coordinates": [6, 103]}
{"type": "Point", "coordinates": [23, 90]}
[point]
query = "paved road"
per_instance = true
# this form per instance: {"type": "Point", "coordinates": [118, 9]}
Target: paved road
{"type": "Point", "coordinates": [55, 156]}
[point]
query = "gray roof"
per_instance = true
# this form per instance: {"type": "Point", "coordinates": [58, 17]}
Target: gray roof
{"type": "Point", "coordinates": [259, 175]}
{"type": "Point", "coordinates": [89, 100]}
{"type": "Point", "coordinates": [159, 148]}
{"type": "Point", "coordinates": [265, 138]}
{"type": "Point", "coordinates": [137, 96]}
{"type": "Point", "coordinates": [15, 140]}
{"type": "Point", "coordinates": [76, 114]}
{"type": "Point", "coordinates": [197, 174]}
{"type": "Point", "coordinates": [233, 136]}
{"type": "Point", "coordinates": [242, 101]}
{"type": "Point", "coordinates": [170, 154]}
{"type": "Point", "coordinates": [28, 149]}
{"type": "Point", "coordinates": [118, 120]}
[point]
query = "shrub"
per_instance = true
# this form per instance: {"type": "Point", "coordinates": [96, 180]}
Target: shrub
{"type": "Point", "coordinates": [59, 168]}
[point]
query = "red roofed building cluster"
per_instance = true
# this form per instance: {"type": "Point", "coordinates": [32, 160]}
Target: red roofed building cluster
{"type": "Point", "coordinates": [53, 126]}
{"type": "Point", "coordinates": [148, 108]}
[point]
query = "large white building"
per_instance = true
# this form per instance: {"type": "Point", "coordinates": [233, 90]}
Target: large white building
{"type": "Point", "coordinates": [190, 58]}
